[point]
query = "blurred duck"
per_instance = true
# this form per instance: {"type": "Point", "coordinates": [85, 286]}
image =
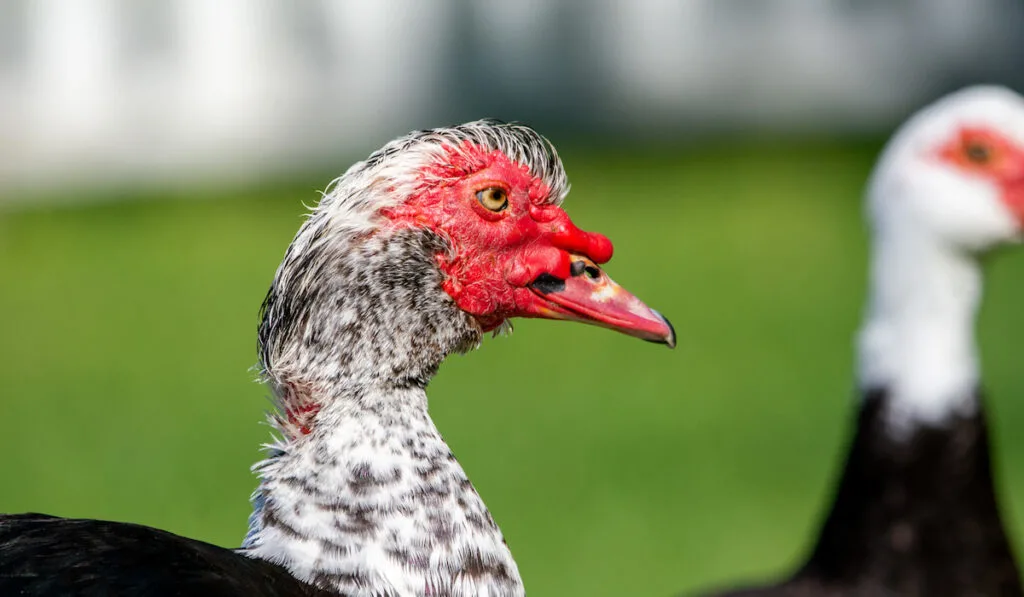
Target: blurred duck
{"type": "Point", "coordinates": [915, 513]}
{"type": "Point", "coordinates": [415, 253]}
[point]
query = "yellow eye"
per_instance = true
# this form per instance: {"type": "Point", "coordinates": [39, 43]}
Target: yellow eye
{"type": "Point", "coordinates": [493, 198]}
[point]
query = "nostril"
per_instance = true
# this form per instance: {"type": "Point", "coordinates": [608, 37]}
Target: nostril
{"type": "Point", "coordinates": [581, 267]}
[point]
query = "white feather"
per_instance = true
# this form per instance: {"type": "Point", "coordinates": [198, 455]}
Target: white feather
{"type": "Point", "coordinates": [930, 222]}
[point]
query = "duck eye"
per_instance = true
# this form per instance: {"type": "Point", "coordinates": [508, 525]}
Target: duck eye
{"type": "Point", "coordinates": [493, 198]}
{"type": "Point", "coordinates": [978, 153]}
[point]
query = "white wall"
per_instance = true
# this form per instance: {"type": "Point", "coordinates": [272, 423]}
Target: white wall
{"type": "Point", "coordinates": [95, 90]}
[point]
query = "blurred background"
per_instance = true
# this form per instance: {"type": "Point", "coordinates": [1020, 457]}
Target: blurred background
{"type": "Point", "coordinates": [155, 156]}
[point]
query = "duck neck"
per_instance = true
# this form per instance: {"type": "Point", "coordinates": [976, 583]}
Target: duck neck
{"type": "Point", "coordinates": [372, 501]}
{"type": "Point", "coordinates": [362, 495]}
{"type": "Point", "coordinates": [917, 342]}
{"type": "Point", "coordinates": [915, 512]}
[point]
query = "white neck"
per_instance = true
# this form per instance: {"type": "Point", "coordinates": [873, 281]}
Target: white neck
{"type": "Point", "coordinates": [372, 502]}
{"type": "Point", "coordinates": [917, 342]}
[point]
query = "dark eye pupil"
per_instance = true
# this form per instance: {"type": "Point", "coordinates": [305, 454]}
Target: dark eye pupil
{"type": "Point", "coordinates": [977, 153]}
{"type": "Point", "coordinates": [494, 198]}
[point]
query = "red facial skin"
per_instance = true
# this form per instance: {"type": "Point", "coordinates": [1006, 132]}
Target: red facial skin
{"type": "Point", "coordinates": [497, 254]}
{"type": "Point", "coordinates": [987, 153]}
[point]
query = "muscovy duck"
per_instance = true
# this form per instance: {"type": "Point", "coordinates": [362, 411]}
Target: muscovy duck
{"type": "Point", "coordinates": [413, 254]}
{"type": "Point", "coordinates": [915, 513]}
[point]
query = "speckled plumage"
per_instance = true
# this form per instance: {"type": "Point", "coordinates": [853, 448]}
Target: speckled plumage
{"type": "Point", "coordinates": [371, 500]}
{"type": "Point", "coordinates": [362, 494]}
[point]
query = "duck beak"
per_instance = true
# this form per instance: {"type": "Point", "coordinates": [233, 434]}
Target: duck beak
{"type": "Point", "coordinates": [590, 296]}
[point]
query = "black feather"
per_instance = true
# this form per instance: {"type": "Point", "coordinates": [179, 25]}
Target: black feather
{"type": "Point", "coordinates": [47, 555]}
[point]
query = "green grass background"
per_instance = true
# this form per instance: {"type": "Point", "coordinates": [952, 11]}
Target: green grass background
{"type": "Point", "coordinates": [614, 467]}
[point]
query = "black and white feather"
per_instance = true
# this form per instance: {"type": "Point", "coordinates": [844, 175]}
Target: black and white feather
{"type": "Point", "coordinates": [360, 496]}
{"type": "Point", "coordinates": [915, 513]}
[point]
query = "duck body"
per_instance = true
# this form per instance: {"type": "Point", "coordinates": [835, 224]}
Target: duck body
{"type": "Point", "coordinates": [98, 558]}
{"type": "Point", "coordinates": [914, 515]}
